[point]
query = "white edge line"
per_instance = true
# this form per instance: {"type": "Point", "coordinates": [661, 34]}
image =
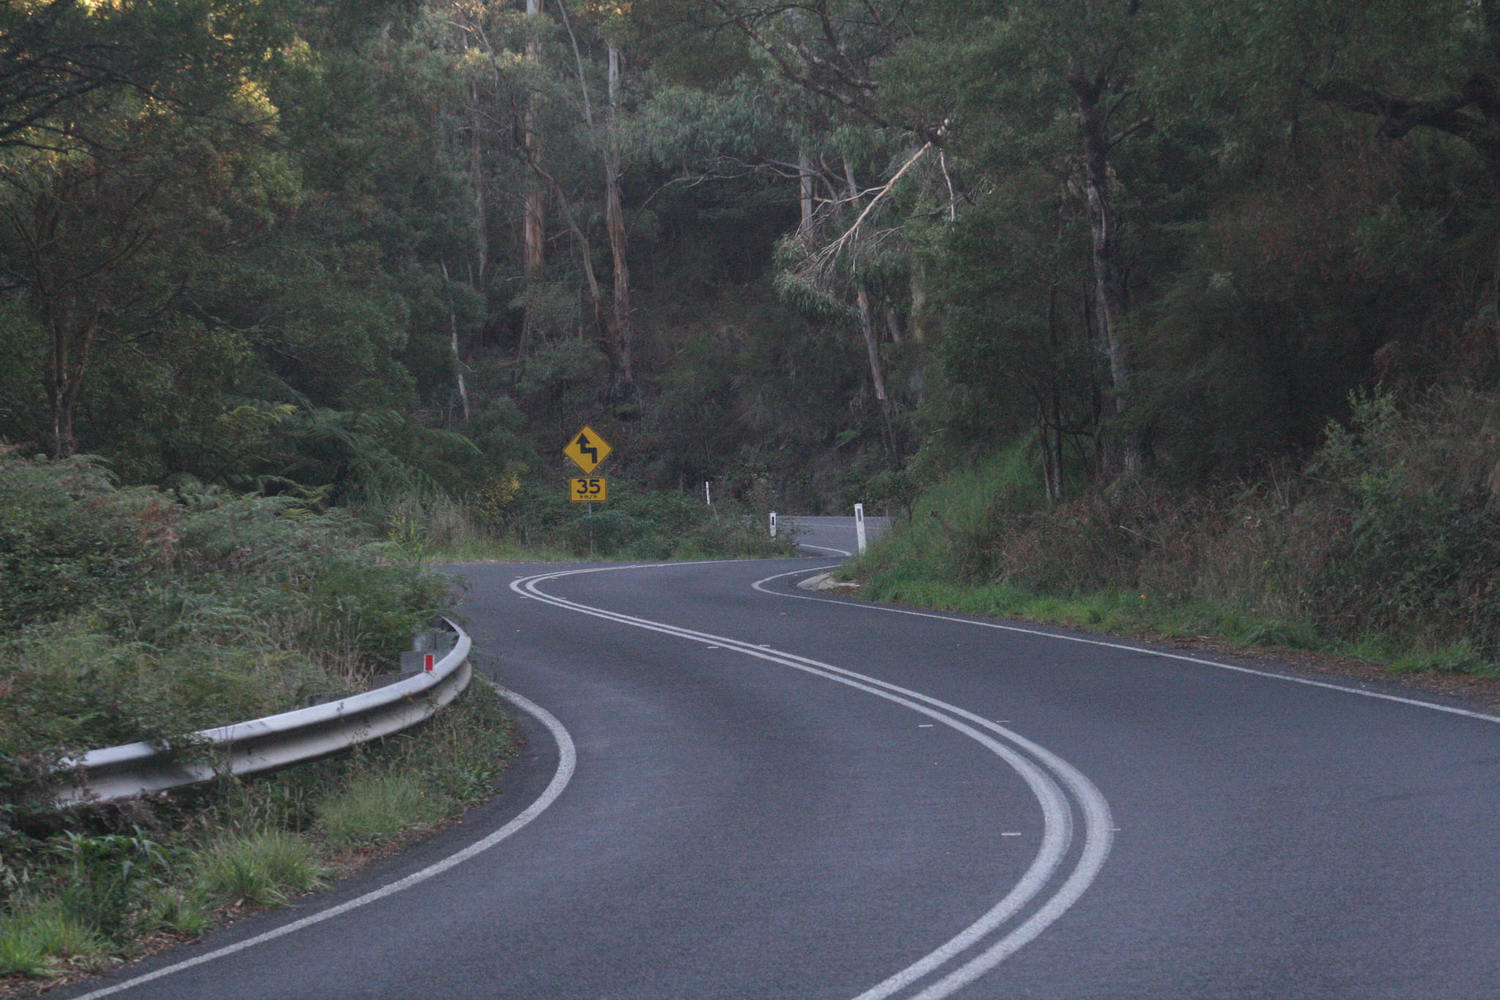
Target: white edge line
{"type": "Point", "coordinates": [566, 764]}
{"type": "Point", "coordinates": [1126, 647]}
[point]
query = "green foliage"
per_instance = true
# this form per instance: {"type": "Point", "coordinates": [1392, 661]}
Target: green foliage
{"type": "Point", "coordinates": [956, 526]}
{"type": "Point", "coordinates": [637, 524]}
{"type": "Point", "coordinates": [38, 934]}
{"type": "Point", "coordinates": [70, 539]}
{"type": "Point", "coordinates": [23, 401]}
{"type": "Point", "coordinates": [107, 880]}
{"type": "Point", "coordinates": [273, 278]}
{"type": "Point", "coordinates": [82, 889]}
{"type": "Point", "coordinates": [175, 910]}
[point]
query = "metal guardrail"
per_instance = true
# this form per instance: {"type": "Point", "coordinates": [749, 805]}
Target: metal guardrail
{"type": "Point", "coordinates": [122, 772]}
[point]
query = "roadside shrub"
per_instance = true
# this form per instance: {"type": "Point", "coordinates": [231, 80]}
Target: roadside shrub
{"type": "Point", "coordinates": [69, 539]}
{"type": "Point", "coordinates": [136, 615]}
{"type": "Point", "coordinates": [537, 514]}
{"type": "Point", "coordinates": [108, 880]}
{"type": "Point", "coordinates": [1415, 496]}
{"type": "Point", "coordinates": [607, 533]}
{"type": "Point", "coordinates": [962, 526]}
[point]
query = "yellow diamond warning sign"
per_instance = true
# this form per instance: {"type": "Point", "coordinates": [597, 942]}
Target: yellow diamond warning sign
{"type": "Point", "coordinates": [587, 449]}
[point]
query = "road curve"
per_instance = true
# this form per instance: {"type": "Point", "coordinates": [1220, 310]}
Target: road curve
{"type": "Point", "coordinates": [738, 789]}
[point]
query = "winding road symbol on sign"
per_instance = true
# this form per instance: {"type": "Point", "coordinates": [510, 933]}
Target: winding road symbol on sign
{"type": "Point", "coordinates": [588, 449]}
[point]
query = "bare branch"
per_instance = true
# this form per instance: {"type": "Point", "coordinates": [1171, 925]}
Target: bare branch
{"type": "Point", "coordinates": [818, 263]}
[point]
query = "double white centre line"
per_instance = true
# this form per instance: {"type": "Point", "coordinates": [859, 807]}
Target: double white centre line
{"type": "Point", "coordinates": [1044, 892]}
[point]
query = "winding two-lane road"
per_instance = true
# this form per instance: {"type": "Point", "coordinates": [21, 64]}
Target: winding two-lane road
{"type": "Point", "coordinates": [738, 789]}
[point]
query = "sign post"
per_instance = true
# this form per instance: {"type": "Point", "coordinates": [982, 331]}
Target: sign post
{"type": "Point", "coordinates": [587, 449]}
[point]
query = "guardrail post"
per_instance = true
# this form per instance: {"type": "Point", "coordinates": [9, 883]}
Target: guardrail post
{"type": "Point", "coordinates": [426, 648]}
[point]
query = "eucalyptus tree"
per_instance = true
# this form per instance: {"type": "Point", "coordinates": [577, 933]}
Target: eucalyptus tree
{"type": "Point", "coordinates": [484, 75]}
{"type": "Point", "coordinates": [1055, 85]}
{"type": "Point", "coordinates": [864, 168]}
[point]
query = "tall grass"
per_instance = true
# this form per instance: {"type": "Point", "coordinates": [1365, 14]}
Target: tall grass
{"type": "Point", "coordinates": [263, 869]}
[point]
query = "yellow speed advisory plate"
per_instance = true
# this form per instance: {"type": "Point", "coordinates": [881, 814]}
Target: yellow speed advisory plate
{"type": "Point", "coordinates": [591, 488]}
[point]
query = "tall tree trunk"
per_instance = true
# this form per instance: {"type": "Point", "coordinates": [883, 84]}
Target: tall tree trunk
{"type": "Point", "coordinates": [871, 336]}
{"type": "Point", "coordinates": [1051, 415]}
{"type": "Point", "coordinates": [480, 196]}
{"type": "Point", "coordinates": [918, 322]}
{"type": "Point", "coordinates": [534, 208]}
{"type": "Point", "coordinates": [621, 328]}
{"type": "Point", "coordinates": [534, 224]}
{"type": "Point", "coordinates": [72, 329]}
{"type": "Point", "coordinates": [458, 361]}
{"type": "Point", "coordinates": [869, 331]}
{"type": "Point", "coordinates": [1110, 290]}
{"type": "Point", "coordinates": [603, 317]}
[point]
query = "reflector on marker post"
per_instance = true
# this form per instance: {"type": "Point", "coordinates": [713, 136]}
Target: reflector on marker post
{"type": "Point", "coordinates": [427, 662]}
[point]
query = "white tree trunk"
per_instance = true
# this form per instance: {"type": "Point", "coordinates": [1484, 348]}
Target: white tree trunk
{"type": "Point", "coordinates": [622, 331]}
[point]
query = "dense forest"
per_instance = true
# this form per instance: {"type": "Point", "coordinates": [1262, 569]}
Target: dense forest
{"type": "Point", "coordinates": [363, 245]}
{"type": "Point", "coordinates": [352, 250]}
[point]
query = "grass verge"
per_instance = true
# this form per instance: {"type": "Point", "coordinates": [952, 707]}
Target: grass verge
{"type": "Point", "coordinates": [1151, 618]}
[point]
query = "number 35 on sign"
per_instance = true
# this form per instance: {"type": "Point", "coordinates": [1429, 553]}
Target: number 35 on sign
{"type": "Point", "coordinates": [591, 488]}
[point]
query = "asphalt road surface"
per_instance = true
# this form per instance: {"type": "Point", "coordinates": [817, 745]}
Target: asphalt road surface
{"type": "Point", "coordinates": [736, 789]}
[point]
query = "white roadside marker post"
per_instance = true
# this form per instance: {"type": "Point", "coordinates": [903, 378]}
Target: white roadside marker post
{"type": "Point", "coordinates": [859, 526]}
{"type": "Point", "coordinates": [773, 524]}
